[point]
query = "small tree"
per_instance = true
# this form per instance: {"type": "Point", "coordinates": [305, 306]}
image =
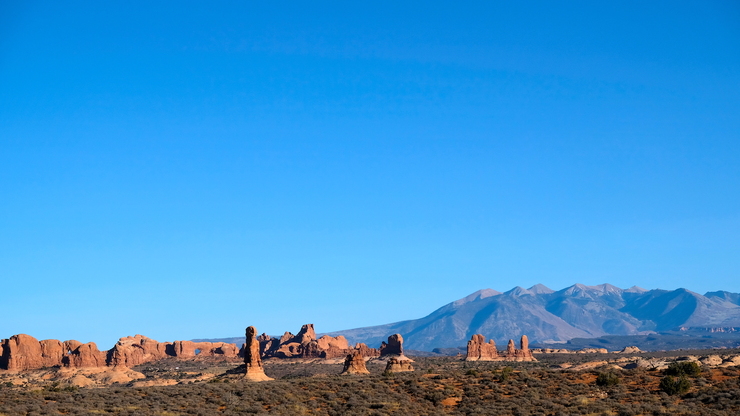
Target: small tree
{"type": "Point", "coordinates": [607, 379]}
{"type": "Point", "coordinates": [505, 373]}
{"type": "Point", "coordinates": [686, 368]}
{"type": "Point", "coordinates": [672, 386]}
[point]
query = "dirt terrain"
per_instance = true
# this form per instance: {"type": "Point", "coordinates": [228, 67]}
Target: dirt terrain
{"type": "Point", "coordinates": [554, 385]}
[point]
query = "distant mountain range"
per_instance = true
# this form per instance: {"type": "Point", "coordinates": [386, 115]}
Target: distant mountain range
{"type": "Point", "coordinates": [545, 315]}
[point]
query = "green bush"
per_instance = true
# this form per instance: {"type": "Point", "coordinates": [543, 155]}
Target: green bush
{"type": "Point", "coordinates": [505, 373]}
{"type": "Point", "coordinates": [607, 379]}
{"type": "Point", "coordinates": [685, 368]}
{"type": "Point", "coordinates": [672, 386]}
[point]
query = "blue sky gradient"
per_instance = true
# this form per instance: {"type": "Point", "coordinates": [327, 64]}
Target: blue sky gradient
{"type": "Point", "coordinates": [183, 170]}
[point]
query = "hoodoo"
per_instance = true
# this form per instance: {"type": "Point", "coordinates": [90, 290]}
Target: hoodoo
{"type": "Point", "coordinates": [252, 360]}
{"type": "Point", "coordinates": [355, 363]}
{"type": "Point", "coordinates": [394, 346]}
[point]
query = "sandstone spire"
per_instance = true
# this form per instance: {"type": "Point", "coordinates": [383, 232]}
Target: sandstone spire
{"type": "Point", "coordinates": [394, 346]}
{"type": "Point", "coordinates": [355, 363]}
{"type": "Point", "coordinates": [523, 354]}
{"type": "Point", "coordinates": [252, 360]}
{"type": "Point", "coordinates": [511, 348]}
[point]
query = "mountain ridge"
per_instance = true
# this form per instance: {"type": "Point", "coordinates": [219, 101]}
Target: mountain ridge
{"type": "Point", "coordinates": [549, 316]}
{"type": "Point", "coordinates": [546, 315]}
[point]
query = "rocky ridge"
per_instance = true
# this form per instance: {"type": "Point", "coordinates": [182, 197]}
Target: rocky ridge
{"type": "Point", "coordinates": [24, 352]}
{"type": "Point", "coordinates": [306, 345]}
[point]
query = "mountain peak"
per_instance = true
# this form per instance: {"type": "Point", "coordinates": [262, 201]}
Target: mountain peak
{"type": "Point", "coordinates": [607, 288]}
{"type": "Point", "coordinates": [540, 289]}
{"type": "Point", "coordinates": [481, 294]}
{"type": "Point", "coordinates": [635, 289]}
{"type": "Point", "coordinates": [579, 289]}
{"type": "Point", "coordinates": [518, 291]}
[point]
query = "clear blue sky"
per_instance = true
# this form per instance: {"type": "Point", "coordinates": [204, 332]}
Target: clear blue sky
{"type": "Point", "coordinates": [183, 170]}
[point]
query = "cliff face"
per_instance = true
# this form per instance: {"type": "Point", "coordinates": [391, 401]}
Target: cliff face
{"type": "Point", "coordinates": [24, 352]}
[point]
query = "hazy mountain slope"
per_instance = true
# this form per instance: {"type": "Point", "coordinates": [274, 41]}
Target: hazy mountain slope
{"type": "Point", "coordinates": [593, 309]}
{"type": "Point", "coordinates": [502, 315]}
{"type": "Point", "coordinates": [728, 296]}
{"type": "Point", "coordinates": [578, 311]}
{"type": "Point", "coordinates": [546, 315]}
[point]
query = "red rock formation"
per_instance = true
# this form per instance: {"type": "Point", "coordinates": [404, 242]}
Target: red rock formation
{"type": "Point", "coordinates": [510, 348]}
{"type": "Point", "coordinates": [521, 354]}
{"type": "Point", "coordinates": [298, 346]}
{"type": "Point", "coordinates": [52, 352]}
{"type": "Point", "coordinates": [252, 360]}
{"type": "Point", "coordinates": [183, 349]}
{"type": "Point", "coordinates": [304, 345]}
{"type": "Point", "coordinates": [398, 365]}
{"type": "Point", "coordinates": [85, 355]}
{"type": "Point", "coordinates": [268, 345]}
{"type": "Point", "coordinates": [136, 350]}
{"type": "Point", "coordinates": [224, 349]}
{"type": "Point", "coordinates": [394, 346]}
{"type": "Point", "coordinates": [326, 342]}
{"type": "Point", "coordinates": [367, 351]}
{"type": "Point", "coordinates": [305, 335]}
{"type": "Point", "coordinates": [190, 349]}
{"type": "Point", "coordinates": [22, 352]}
{"type": "Point", "coordinates": [355, 364]}
{"type": "Point", "coordinates": [310, 350]}
{"type": "Point", "coordinates": [479, 350]}
{"type": "Point", "coordinates": [71, 345]}
{"type": "Point", "coordinates": [331, 347]}
{"type": "Point", "coordinates": [290, 350]}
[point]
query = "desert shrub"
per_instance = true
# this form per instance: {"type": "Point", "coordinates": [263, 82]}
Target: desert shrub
{"type": "Point", "coordinates": [505, 373]}
{"type": "Point", "coordinates": [686, 368]}
{"type": "Point", "coordinates": [672, 386]}
{"type": "Point", "coordinates": [607, 379]}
